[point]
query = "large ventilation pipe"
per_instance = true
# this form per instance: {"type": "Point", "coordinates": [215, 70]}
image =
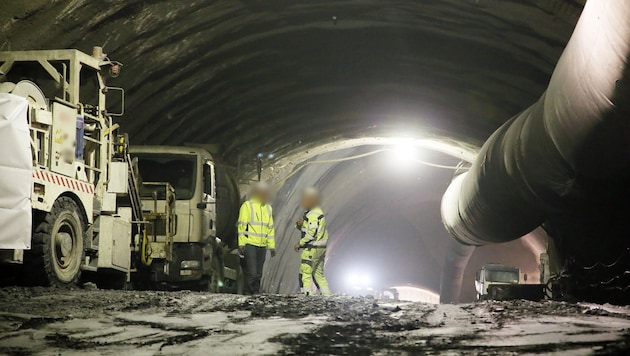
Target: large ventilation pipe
{"type": "Point", "coordinates": [549, 156]}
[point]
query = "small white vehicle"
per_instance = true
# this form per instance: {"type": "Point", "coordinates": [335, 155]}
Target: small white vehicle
{"type": "Point", "coordinates": [495, 274]}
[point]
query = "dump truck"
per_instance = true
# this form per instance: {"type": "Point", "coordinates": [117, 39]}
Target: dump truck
{"type": "Point", "coordinates": [500, 282]}
{"type": "Point", "coordinates": [72, 201]}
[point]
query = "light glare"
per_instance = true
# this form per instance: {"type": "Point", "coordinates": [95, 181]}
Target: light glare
{"type": "Point", "coordinates": [404, 152]}
{"type": "Point", "coordinates": [365, 280]}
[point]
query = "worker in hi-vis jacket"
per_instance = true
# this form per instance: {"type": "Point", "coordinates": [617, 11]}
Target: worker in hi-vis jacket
{"type": "Point", "coordinates": [312, 243]}
{"type": "Point", "coordinates": [256, 234]}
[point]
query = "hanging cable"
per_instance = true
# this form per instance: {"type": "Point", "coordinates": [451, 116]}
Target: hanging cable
{"type": "Point", "coordinates": [363, 155]}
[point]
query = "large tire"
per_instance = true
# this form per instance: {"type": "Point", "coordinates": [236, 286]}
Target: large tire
{"type": "Point", "coordinates": [57, 253]}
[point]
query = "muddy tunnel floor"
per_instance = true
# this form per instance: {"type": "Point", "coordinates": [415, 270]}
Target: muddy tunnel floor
{"type": "Point", "coordinates": [45, 321]}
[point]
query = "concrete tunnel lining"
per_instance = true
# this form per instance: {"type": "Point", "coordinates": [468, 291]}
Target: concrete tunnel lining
{"type": "Point", "coordinates": [210, 71]}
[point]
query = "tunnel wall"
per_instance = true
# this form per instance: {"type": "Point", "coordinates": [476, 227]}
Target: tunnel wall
{"type": "Point", "coordinates": [548, 158]}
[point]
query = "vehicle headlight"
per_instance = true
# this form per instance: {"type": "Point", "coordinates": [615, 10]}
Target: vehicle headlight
{"type": "Point", "coordinates": [190, 264]}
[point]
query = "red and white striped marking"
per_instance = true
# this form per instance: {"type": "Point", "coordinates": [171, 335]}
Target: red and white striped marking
{"type": "Point", "coordinates": [63, 181]}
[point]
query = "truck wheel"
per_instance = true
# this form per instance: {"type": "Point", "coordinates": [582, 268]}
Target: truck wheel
{"type": "Point", "coordinates": [57, 250]}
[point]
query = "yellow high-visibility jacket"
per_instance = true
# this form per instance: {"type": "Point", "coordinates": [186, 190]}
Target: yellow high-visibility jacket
{"type": "Point", "coordinates": [314, 231]}
{"type": "Point", "coordinates": [255, 225]}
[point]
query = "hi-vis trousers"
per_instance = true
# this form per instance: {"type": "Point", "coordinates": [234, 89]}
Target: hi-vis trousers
{"type": "Point", "coordinates": [312, 269]}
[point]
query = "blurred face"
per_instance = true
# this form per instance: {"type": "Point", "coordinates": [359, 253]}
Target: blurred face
{"type": "Point", "coordinates": [263, 195]}
{"type": "Point", "coordinates": [309, 201]}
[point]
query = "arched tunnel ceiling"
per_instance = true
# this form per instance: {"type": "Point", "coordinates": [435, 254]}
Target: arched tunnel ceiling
{"type": "Point", "coordinates": [276, 75]}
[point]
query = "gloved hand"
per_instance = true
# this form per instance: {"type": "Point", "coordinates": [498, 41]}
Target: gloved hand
{"type": "Point", "coordinates": [273, 252]}
{"type": "Point", "coordinates": [297, 247]}
{"type": "Point", "coordinates": [241, 250]}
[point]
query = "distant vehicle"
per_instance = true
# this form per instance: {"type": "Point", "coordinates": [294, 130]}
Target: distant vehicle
{"type": "Point", "coordinates": [495, 274]}
{"type": "Point", "coordinates": [389, 293]}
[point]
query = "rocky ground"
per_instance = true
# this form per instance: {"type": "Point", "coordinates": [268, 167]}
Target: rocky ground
{"type": "Point", "coordinates": [48, 321]}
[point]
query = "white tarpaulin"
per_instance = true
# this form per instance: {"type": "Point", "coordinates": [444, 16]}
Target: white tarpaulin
{"type": "Point", "coordinates": [16, 173]}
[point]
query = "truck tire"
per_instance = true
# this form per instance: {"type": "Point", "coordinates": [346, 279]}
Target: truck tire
{"type": "Point", "coordinates": [57, 253]}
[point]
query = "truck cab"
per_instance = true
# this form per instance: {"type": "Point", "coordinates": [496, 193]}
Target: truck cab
{"type": "Point", "coordinates": [495, 274]}
{"type": "Point", "coordinates": [186, 250]}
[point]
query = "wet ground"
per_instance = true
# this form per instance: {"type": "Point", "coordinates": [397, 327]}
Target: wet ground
{"type": "Point", "coordinates": [47, 321]}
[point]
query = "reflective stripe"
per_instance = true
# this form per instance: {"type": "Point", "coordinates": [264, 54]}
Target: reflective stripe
{"type": "Point", "coordinates": [259, 223]}
{"type": "Point", "coordinates": [268, 209]}
{"type": "Point", "coordinates": [320, 243]}
{"type": "Point", "coordinates": [254, 234]}
{"type": "Point", "coordinates": [309, 237]}
{"type": "Point", "coordinates": [307, 262]}
{"type": "Point", "coordinates": [271, 237]}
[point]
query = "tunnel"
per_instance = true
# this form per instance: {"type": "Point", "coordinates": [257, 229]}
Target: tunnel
{"type": "Point", "coordinates": [297, 83]}
{"type": "Point", "coordinates": [323, 81]}
{"type": "Point", "coordinates": [471, 159]}
{"type": "Point", "coordinates": [380, 107]}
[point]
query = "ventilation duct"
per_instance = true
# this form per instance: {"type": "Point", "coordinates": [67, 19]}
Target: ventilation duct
{"type": "Point", "coordinates": [551, 155]}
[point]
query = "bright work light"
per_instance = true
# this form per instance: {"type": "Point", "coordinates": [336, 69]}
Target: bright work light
{"type": "Point", "coordinates": [404, 151]}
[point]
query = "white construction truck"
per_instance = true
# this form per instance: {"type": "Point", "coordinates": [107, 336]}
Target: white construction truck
{"type": "Point", "coordinates": [495, 274]}
{"type": "Point", "coordinates": [71, 200]}
{"type": "Point", "coordinates": [500, 282]}
{"type": "Point", "coordinates": [196, 246]}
